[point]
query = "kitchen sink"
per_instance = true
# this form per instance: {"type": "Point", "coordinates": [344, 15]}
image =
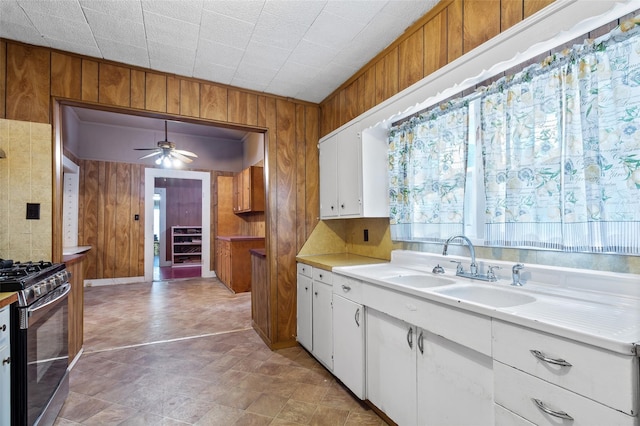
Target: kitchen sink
{"type": "Point", "coordinates": [488, 296]}
{"type": "Point", "coordinates": [419, 280]}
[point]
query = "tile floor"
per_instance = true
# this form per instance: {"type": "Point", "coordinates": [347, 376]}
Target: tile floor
{"type": "Point", "coordinates": [183, 352]}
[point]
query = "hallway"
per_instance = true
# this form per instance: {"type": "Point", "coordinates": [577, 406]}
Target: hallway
{"type": "Point", "coordinates": [183, 352]}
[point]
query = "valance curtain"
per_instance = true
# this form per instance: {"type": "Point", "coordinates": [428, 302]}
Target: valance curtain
{"type": "Point", "coordinates": [427, 165]}
{"type": "Point", "coordinates": [561, 147]}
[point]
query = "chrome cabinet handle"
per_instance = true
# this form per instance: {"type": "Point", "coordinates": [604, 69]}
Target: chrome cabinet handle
{"type": "Point", "coordinates": [306, 289]}
{"type": "Point", "coordinates": [346, 288]}
{"type": "Point", "coordinates": [556, 361]}
{"type": "Point", "coordinates": [7, 360]}
{"type": "Point", "coordinates": [410, 337]}
{"type": "Point", "coordinates": [560, 414]}
{"type": "Point", "coordinates": [421, 342]}
{"type": "Point", "coordinates": [357, 317]}
{"type": "Point", "coordinates": [4, 327]}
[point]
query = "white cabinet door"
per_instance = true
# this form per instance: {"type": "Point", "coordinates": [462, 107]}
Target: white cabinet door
{"type": "Point", "coordinates": [348, 344]}
{"type": "Point", "coordinates": [391, 366]}
{"type": "Point", "coordinates": [304, 311]}
{"type": "Point", "coordinates": [349, 172]}
{"type": "Point", "coordinates": [455, 383]}
{"type": "Point", "coordinates": [322, 323]}
{"type": "Point", "coordinates": [328, 157]}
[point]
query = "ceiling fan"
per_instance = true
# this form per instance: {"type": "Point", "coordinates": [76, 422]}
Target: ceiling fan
{"type": "Point", "coordinates": [167, 152]}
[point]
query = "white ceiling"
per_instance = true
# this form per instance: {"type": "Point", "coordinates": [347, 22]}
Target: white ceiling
{"type": "Point", "coordinates": [302, 49]}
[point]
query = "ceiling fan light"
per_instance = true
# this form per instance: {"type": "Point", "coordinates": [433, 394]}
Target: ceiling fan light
{"type": "Point", "coordinates": [159, 161]}
{"type": "Point", "coordinates": [166, 162]}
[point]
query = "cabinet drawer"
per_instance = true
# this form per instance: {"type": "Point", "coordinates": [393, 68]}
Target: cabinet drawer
{"type": "Point", "coordinates": [306, 270]}
{"type": "Point", "coordinates": [604, 376]}
{"type": "Point", "coordinates": [4, 326]}
{"type": "Point", "coordinates": [504, 417]}
{"type": "Point", "coordinates": [322, 276]}
{"type": "Point", "coordinates": [517, 391]}
{"type": "Point", "coordinates": [349, 288]}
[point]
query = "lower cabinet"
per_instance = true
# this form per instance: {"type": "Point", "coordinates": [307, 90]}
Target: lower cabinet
{"type": "Point", "coordinates": [348, 344]}
{"type": "Point", "coordinates": [391, 366]}
{"type": "Point", "coordinates": [314, 313]}
{"type": "Point", "coordinates": [5, 367]}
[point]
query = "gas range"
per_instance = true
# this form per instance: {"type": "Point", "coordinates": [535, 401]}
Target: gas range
{"type": "Point", "coordinates": [32, 280]}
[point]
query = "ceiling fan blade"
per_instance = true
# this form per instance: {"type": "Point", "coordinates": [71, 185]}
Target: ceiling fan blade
{"type": "Point", "coordinates": [144, 149]}
{"type": "Point", "coordinates": [153, 154]}
{"type": "Point", "coordinates": [187, 153]}
{"type": "Point", "coordinates": [181, 157]}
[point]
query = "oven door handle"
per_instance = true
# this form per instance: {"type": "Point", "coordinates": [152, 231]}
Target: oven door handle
{"type": "Point", "coordinates": [34, 309]}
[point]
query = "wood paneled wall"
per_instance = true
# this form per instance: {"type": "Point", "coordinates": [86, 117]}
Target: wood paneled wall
{"type": "Point", "coordinates": [110, 195]}
{"type": "Point", "coordinates": [451, 29]}
{"type": "Point", "coordinates": [30, 77]}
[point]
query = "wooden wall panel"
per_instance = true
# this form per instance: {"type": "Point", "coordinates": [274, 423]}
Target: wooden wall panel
{"type": "Point", "coordinates": [155, 92]}
{"type": "Point", "coordinates": [285, 183]}
{"type": "Point", "coordinates": [137, 89]}
{"type": "Point", "coordinates": [173, 95]}
{"type": "Point", "coordinates": [189, 98]}
{"type": "Point", "coordinates": [114, 85]}
{"type": "Point", "coordinates": [410, 60]}
{"type": "Point", "coordinates": [435, 43]}
{"type": "Point", "coordinates": [312, 169]}
{"type": "Point", "coordinates": [3, 77]}
{"type": "Point", "coordinates": [454, 31]}
{"type": "Point", "coordinates": [123, 220]}
{"type": "Point", "coordinates": [89, 81]}
{"type": "Point", "coordinates": [532, 6]}
{"type": "Point", "coordinates": [511, 13]}
{"type": "Point", "coordinates": [64, 72]}
{"type": "Point", "coordinates": [28, 89]}
{"type": "Point", "coordinates": [88, 232]}
{"type": "Point", "coordinates": [301, 196]}
{"type": "Point", "coordinates": [350, 102]}
{"type": "Point", "coordinates": [369, 92]}
{"type": "Point", "coordinates": [111, 227]}
{"type": "Point", "coordinates": [213, 104]}
{"type": "Point", "coordinates": [242, 107]}
{"type": "Point", "coordinates": [137, 226]}
{"type": "Point", "coordinates": [387, 76]}
{"type": "Point", "coordinates": [481, 22]}
{"type": "Point", "coordinates": [101, 236]}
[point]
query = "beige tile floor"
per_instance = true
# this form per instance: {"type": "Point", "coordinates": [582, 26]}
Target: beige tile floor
{"type": "Point", "coordinates": [183, 352]}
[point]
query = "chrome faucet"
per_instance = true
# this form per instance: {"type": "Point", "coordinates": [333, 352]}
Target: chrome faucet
{"type": "Point", "coordinates": [473, 268]}
{"type": "Point", "coordinates": [515, 274]}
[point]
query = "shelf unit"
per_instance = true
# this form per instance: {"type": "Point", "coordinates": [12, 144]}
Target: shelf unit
{"type": "Point", "coordinates": [186, 245]}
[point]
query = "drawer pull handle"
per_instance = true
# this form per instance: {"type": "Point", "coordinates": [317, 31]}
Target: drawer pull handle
{"type": "Point", "coordinates": [346, 288]}
{"type": "Point", "coordinates": [410, 337]}
{"type": "Point", "coordinates": [421, 342]}
{"type": "Point", "coordinates": [554, 413]}
{"type": "Point", "coordinates": [556, 361]}
{"type": "Point", "coordinates": [357, 317]}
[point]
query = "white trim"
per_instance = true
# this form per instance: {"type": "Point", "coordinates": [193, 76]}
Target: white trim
{"type": "Point", "coordinates": [162, 258]}
{"type": "Point", "coordinates": [149, 186]}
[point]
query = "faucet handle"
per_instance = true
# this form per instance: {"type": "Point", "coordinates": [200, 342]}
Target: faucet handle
{"type": "Point", "coordinates": [491, 272]}
{"type": "Point", "coordinates": [438, 269]}
{"type": "Point", "coordinates": [459, 268]}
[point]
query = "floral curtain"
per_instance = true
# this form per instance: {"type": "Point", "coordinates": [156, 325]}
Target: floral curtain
{"type": "Point", "coordinates": [561, 147]}
{"type": "Point", "coordinates": [427, 164]}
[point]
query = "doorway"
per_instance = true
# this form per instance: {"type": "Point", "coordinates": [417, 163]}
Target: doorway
{"type": "Point", "coordinates": [150, 190]}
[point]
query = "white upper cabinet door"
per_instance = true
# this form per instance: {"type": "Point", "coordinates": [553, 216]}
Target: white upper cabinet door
{"type": "Point", "coordinates": [329, 178]}
{"type": "Point", "coordinates": [349, 172]}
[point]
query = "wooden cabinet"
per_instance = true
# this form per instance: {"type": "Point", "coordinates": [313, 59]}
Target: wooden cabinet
{"type": "Point", "coordinates": [233, 261]}
{"type": "Point", "coordinates": [248, 194]}
{"type": "Point", "coordinates": [186, 245]}
{"type": "Point", "coordinates": [75, 265]}
{"type": "Point", "coordinates": [348, 334]}
{"type": "Point", "coordinates": [353, 178]}
{"type": "Point", "coordinates": [5, 367]}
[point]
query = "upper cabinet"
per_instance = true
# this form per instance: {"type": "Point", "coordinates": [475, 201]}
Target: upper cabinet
{"type": "Point", "coordinates": [353, 174]}
{"type": "Point", "coordinates": [248, 190]}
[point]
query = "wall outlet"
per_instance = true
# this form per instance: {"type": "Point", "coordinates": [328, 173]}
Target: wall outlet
{"type": "Point", "coordinates": [366, 235]}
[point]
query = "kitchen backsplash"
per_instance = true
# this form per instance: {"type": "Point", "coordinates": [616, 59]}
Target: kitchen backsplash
{"type": "Point", "coordinates": [25, 177]}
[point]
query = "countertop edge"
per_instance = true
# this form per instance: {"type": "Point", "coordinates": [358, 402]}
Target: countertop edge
{"type": "Point", "coordinates": [8, 298]}
{"type": "Point", "coordinates": [333, 260]}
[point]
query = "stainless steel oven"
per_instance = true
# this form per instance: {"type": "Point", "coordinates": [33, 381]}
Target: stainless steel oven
{"type": "Point", "coordinates": [39, 345]}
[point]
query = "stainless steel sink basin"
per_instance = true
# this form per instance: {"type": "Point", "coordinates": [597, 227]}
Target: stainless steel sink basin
{"type": "Point", "coordinates": [488, 296]}
{"type": "Point", "coordinates": [419, 280]}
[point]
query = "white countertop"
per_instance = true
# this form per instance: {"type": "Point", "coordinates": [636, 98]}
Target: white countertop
{"type": "Point", "coordinates": [598, 308]}
{"type": "Point", "coordinates": [66, 251]}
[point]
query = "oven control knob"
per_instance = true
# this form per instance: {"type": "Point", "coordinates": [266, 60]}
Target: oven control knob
{"type": "Point", "coordinates": [37, 290]}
